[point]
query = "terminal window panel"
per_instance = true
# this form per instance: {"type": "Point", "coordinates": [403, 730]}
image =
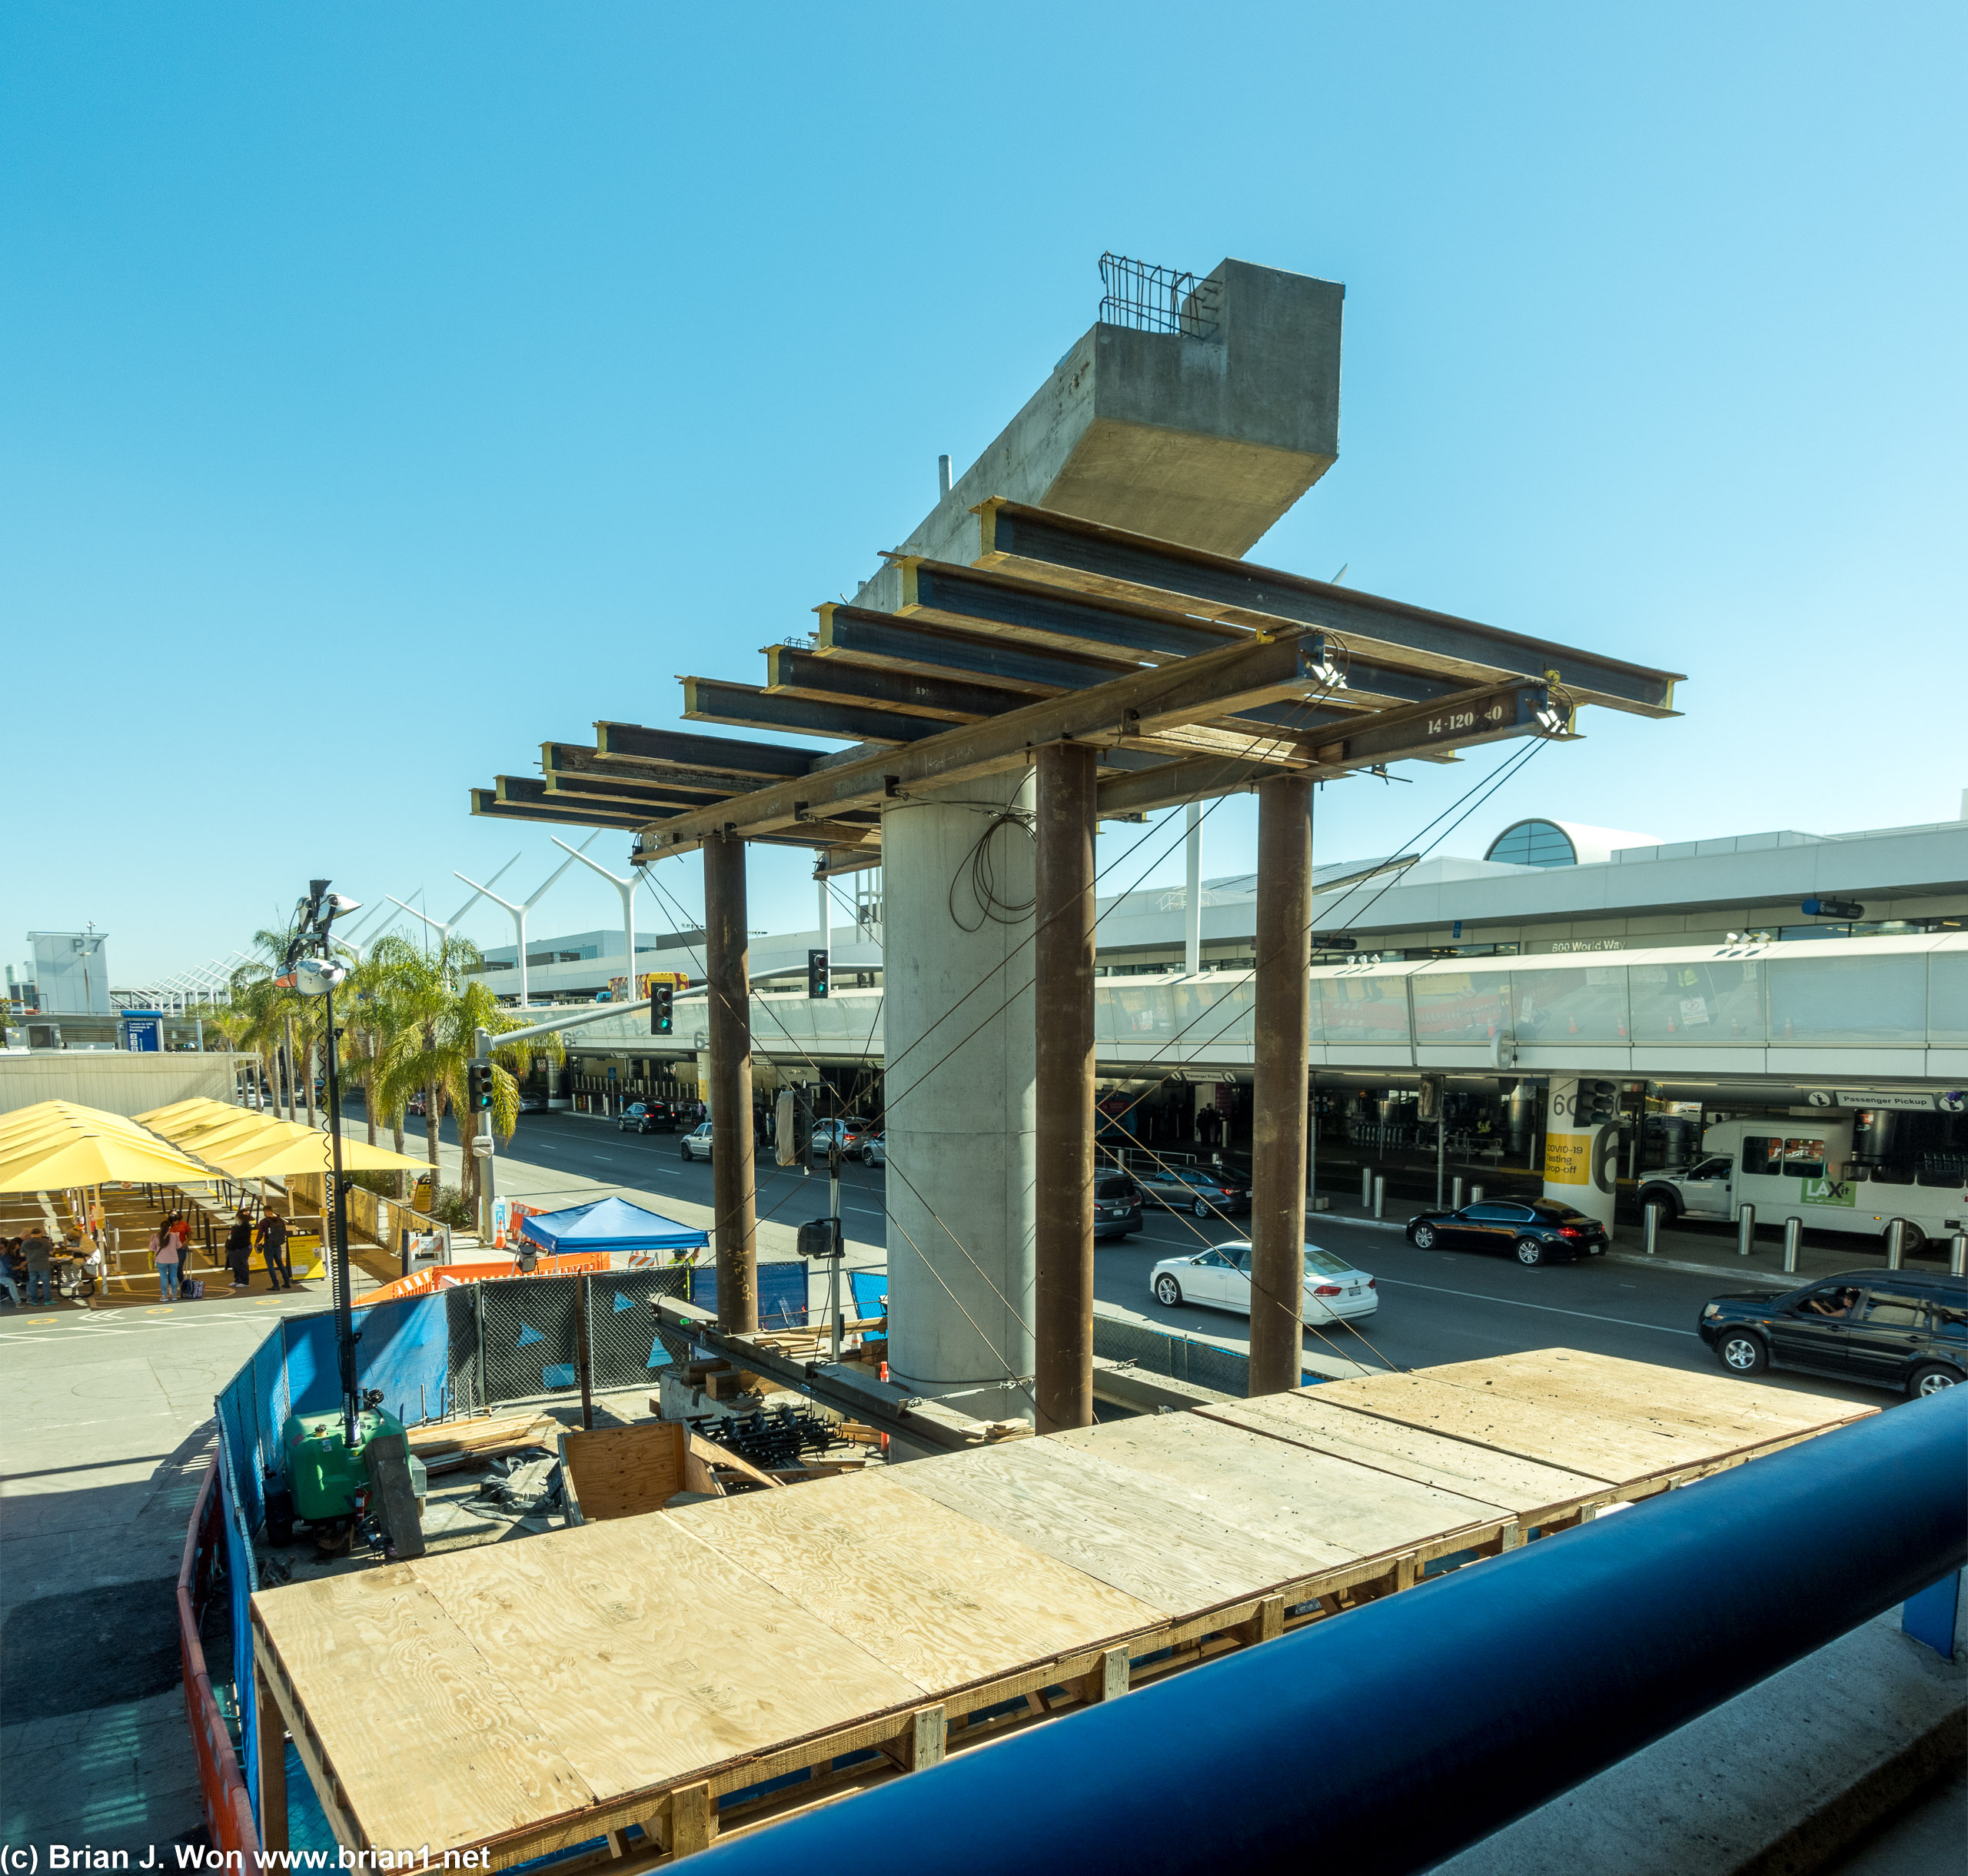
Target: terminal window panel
{"type": "Point", "coordinates": [1575, 1006]}
{"type": "Point", "coordinates": [1947, 999]}
{"type": "Point", "coordinates": [1716, 1002]}
{"type": "Point", "coordinates": [1865, 999]}
{"type": "Point", "coordinates": [1361, 1009]}
{"type": "Point", "coordinates": [1461, 1007]}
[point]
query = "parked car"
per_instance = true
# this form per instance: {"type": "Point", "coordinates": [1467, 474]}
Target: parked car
{"type": "Point", "coordinates": [646, 1117]}
{"type": "Point", "coordinates": [1116, 1206]}
{"type": "Point", "coordinates": [875, 1148]}
{"type": "Point", "coordinates": [1197, 1189]}
{"type": "Point", "coordinates": [849, 1132]}
{"type": "Point", "coordinates": [1221, 1276]}
{"type": "Point", "coordinates": [531, 1101]}
{"type": "Point", "coordinates": [1904, 1329]}
{"type": "Point", "coordinates": [416, 1104]}
{"type": "Point", "coordinates": [696, 1142]}
{"type": "Point", "coordinates": [1534, 1231]}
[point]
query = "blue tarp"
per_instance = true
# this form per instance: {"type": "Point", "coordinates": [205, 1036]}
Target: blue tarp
{"type": "Point", "coordinates": [611, 1225]}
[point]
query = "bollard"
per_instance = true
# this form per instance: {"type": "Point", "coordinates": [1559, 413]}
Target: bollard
{"type": "Point", "coordinates": [1746, 1232]}
{"type": "Point", "coordinates": [1366, 1185]}
{"type": "Point", "coordinates": [1380, 1197]}
{"type": "Point", "coordinates": [1455, 1203]}
{"type": "Point", "coordinates": [1650, 1219]}
{"type": "Point", "coordinates": [1793, 1236]}
{"type": "Point", "coordinates": [1475, 1195]}
{"type": "Point", "coordinates": [1896, 1242]}
{"type": "Point", "coordinates": [1958, 1261]}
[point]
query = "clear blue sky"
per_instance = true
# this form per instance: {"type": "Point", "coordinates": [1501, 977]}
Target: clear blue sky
{"type": "Point", "coordinates": [387, 388]}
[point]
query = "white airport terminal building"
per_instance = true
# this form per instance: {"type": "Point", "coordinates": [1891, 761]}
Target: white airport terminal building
{"type": "Point", "coordinates": [1818, 979]}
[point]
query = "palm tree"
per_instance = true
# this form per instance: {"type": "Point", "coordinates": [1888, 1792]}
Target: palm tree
{"type": "Point", "coordinates": [368, 1019]}
{"type": "Point", "coordinates": [435, 1008]}
{"type": "Point", "coordinates": [269, 1008]}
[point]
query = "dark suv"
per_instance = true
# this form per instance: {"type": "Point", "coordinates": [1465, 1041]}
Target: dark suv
{"type": "Point", "coordinates": [1903, 1329]}
{"type": "Point", "coordinates": [1116, 1206]}
{"type": "Point", "coordinates": [646, 1117]}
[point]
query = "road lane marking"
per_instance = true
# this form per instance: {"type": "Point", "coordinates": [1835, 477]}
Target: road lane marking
{"type": "Point", "coordinates": [1510, 1302]}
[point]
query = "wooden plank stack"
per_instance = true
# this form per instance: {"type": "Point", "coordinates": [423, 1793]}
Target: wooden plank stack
{"type": "Point", "coordinates": [652, 1672]}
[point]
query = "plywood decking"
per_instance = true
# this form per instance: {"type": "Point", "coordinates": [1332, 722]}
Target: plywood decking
{"type": "Point", "coordinates": [644, 1670]}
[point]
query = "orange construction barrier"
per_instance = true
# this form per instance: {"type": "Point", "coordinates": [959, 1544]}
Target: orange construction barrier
{"type": "Point", "coordinates": [448, 1276]}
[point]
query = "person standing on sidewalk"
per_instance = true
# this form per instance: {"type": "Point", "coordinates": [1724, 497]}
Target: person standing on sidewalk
{"type": "Point", "coordinates": [239, 1251]}
{"type": "Point", "coordinates": [170, 1259]}
{"type": "Point", "coordinates": [273, 1248]}
{"type": "Point", "coordinates": [39, 1253]}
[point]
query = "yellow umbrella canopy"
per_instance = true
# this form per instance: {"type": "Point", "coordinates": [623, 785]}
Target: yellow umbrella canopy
{"type": "Point", "coordinates": [159, 1119]}
{"type": "Point", "coordinates": [238, 1154]}
{"type": "Point", "coordinates": [84, 1154]}
{"type": "Point", "coordinates": [310, 1154]}
{"type": "Point", "coordinates": [47, 1120]}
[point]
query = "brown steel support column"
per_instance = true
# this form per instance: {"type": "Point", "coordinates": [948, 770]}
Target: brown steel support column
{"type": "Point", "coordinates": [1278, 1130]}
{"type": "Point", "coordinates": [729, 1026]}
{"type": "Point", "coordinates": [1062, 1014]}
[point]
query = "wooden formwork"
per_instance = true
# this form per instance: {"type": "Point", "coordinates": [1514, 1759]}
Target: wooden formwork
{"type": "Point", "coordinates": [650, 1683]}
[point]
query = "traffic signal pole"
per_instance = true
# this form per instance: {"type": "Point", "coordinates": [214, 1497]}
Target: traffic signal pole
{"type": "Point", "coordinates": [480, 1145]}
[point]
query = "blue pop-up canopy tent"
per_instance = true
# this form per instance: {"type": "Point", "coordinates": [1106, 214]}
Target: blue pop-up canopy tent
{"type": "Point", "coordinates": [611, 1225]}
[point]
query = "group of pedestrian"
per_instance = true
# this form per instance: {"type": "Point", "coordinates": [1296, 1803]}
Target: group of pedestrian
{"type": "Point", "coordinates": [25, 1263]}
{"type": "Point", "coordinates": [269, 1238]}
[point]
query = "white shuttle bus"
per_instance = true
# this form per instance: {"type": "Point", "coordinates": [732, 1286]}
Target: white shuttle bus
{"type": "Point", "coordinates": [1789, 1168]}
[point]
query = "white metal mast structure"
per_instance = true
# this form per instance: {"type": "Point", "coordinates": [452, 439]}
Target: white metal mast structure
{"type": "Point", "coordinates": [444, 927]}
{"type": "Point", "coordinates": [626, 887]}
{"type": "Point", "coordinates": [519, 911]}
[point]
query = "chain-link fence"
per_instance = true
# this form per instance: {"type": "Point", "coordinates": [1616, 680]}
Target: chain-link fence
{"type": "Point", "coordinates": [1155, 1352]}
{"type": "Point", "coordinates": [515, 1338]}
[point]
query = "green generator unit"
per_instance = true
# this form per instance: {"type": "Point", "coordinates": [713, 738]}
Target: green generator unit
{"type": "Point", "coordinates": [323, 1472]}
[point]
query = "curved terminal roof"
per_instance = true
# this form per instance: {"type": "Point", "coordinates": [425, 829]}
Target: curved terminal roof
{"type": "Point", "coordinates": [1538, 842]}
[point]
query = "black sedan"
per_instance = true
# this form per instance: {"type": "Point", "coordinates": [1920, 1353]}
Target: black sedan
{"type": "Point", "coordinates": [1191, 1188]}
{"type": "Point", "coordinates": [646, 1117]}
{"type": "Point", "coordinates": [1904, 1329]}
{"type": "Point", "coordinates": [1534, 1231]}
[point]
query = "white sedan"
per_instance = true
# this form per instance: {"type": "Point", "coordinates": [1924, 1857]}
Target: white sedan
{"type": "Point", "coordinates": [1335, 1291]}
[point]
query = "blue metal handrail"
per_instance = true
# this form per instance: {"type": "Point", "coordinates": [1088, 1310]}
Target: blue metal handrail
{"type": "Point", "coordinates": [1380, 1742]}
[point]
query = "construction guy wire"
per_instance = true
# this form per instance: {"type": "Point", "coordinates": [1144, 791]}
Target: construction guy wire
{"type": "Point", "coordinates": [1009, 1376]}
{"type": "Point", "coordinates": [983, 882]}
{"type": "Point", "coordinates": [1505, 772]}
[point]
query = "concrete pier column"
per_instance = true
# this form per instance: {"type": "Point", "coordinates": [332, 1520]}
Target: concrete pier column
{"type": "Point", "coordinates": [959, 1093]}
{"type": "Point", "coordinates": [728, 1027]}
{"type": "Point", "coordinates": [1062, 949]}
{"type": "Point", "coordinates": [1581, 1160]}
{"type": "Point", "coordinates": [1277, 1126]}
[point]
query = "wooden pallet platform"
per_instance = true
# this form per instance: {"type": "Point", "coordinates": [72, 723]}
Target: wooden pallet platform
{"type": "Point", "coordinates": [651, 1673]}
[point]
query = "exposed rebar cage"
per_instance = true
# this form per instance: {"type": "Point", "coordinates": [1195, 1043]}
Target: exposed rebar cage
{"type": "Point", "coordinates": [1156, 299]}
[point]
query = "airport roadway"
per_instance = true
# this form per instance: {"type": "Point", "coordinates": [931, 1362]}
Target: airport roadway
{"type": "Point", "coordinates": [1436, 1306]}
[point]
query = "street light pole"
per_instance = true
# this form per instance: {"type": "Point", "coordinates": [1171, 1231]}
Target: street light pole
{"type": "Point", "coordinates": [336, 1221]}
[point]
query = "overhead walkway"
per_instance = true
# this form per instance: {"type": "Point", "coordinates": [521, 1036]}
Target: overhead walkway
{"type": "Point", "coordinates": [1842, 1013]}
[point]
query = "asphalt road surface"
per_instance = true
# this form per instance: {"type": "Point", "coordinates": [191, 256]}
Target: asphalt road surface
{"type": "Point", "coordinates": [1436, 1306]}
